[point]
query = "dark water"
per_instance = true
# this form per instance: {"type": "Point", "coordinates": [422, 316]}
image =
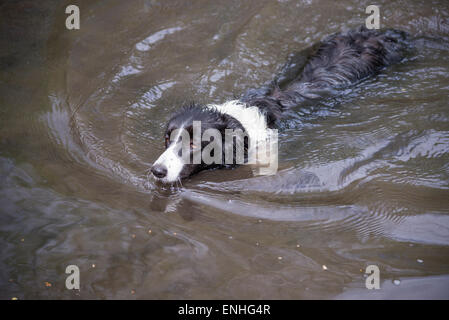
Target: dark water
{"type": "Point", "coordinates": [363, 179]}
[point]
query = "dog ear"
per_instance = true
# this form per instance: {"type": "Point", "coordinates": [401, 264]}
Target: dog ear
{"type": "Point", "coordinates": [226, 122]}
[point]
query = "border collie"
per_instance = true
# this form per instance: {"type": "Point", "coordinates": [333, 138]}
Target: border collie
{"type": "Point", "coordinates": [337, 62]}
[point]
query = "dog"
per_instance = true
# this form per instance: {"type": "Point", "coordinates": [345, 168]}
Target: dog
{"type": "Point", "coordinates": [339, 61]}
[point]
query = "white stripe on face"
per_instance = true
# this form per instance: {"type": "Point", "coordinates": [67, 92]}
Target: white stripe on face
{"type": "Point", "coordinates": [171, 160]}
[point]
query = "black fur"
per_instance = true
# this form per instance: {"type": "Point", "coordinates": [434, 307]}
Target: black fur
{"type": "Point", "coordinates": [337, 62]}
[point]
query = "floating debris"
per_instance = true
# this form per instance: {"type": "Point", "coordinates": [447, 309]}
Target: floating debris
{"type": "Point", "coordinates": [419, 260]}
{"type": "Point", "coordinates": [149, 231]}
{"type": "Point", "coordinates": [397, 282]}
{"type": "Point", "coordinates": [133, 236]}
{"type": "Point", "coordinates": [298, 246]}
{"type": "Point", "coordinates": [47, 284]}
{"type": "Point", "coordinates": [324, 267]}
{"type": "Point", "coordinates": [14, 298]}
{"type": "Point", "coordinates": [133, 292]}
{"type": "Point", "coordinates": [22, 240]}
{"type": "Point", "coordinates": [93, 265]}
{"type": "Point", "coordinates": [279, 258]}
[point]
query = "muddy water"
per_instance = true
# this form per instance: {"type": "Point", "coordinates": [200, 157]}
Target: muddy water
{"type": "Point", "coordinates": [363, 178]}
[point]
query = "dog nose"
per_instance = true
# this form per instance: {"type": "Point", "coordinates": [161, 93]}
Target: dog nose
{"type": "Point", "coordinates": [159, 171]}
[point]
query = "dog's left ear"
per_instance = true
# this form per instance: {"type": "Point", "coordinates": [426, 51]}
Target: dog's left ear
{"type": "Point", "coordinates": [228, 122]}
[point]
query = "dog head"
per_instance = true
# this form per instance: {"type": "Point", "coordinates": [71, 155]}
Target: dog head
{"type": "Point", "coordinates": [185, 142]}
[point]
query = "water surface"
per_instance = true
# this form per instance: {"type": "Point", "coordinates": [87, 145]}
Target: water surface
{"type": "Point", "coordinates": [363, 178]}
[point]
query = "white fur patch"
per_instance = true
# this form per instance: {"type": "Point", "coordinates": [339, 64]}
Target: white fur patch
{"type": "Point", "coordinates": [253, 121]}
{"type": "Point", "coordinates": [172, 161]}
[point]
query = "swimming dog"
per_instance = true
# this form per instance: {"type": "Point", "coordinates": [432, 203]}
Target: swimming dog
{"type": "Point", "coordinates": [339, 61]}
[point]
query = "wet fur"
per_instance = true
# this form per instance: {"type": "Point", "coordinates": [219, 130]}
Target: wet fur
{"type": "Point", "coordinates": [337, 62]}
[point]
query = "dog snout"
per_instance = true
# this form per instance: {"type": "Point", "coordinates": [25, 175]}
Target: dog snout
{"type": "Point", "coordinates": [159, 171]}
